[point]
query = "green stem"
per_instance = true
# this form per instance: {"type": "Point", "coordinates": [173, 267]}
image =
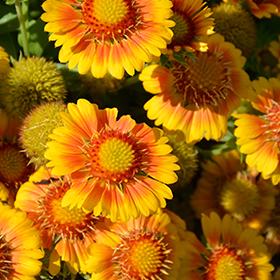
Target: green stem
{"type": "Point", "coordinates": [22, 28]}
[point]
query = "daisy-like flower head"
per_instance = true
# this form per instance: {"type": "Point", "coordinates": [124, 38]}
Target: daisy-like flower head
{"type": "Point", "coordinates": [119, 168]}
{"type": "Point", "coordinates": [196, 100]}
{"type": "Point", "coordinates": [233, 23]}
{"type": "Point", "coordinates": [226, 186]}
{"type": "Point", "coordinates": [108, 35]}
{"type": "Point", "coordinates": [192, 20]}
{"type": "Point", "coordinates": [72, 230]}
{"type": "Point", "coordinates": [19, 246]}
{"type": "Point", "coordinates": [145, 248]}
{"type": "Point", "coordinates": [32, 81]}
{"type": "Point", "coordinates": [259, 8]}
{"type": "Point", "coordinates": [259, 136]}
{"type": "Point", "coordinates": [232, 252]}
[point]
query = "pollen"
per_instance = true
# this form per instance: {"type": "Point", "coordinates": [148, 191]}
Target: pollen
{"type": "Point", "coordinates": [111, 17]}
{"type": "Point", "coordinates": [225, 264]}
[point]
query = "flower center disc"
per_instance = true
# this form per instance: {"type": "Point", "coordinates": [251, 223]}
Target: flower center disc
{"type": "Point", "coordinates": [240, 197]}
{"type": "Point", "coordinates": [12, 164]}
{"type": "Point", "coordinates": [225, 264]}
{"type": "Point", "coordinates": [71, 223]}
{"type": "Point", "coordinates": [143, 256]}
{"type": "Point", "coordinates": [183, 30]}
{"type": "Point", "coordinates": [204, 82]}
{"type": "Point", "coordinates": [6, 268]}
{"type": "Point", "coordinates": [111, 19]}
{"type": "Point", "coordinates": [273, 117]}
{"type": "Point", "coordinates": [116, 157]}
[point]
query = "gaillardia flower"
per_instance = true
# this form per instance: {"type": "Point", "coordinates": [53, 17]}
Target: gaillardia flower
{"type": "Point", "coordinates": [69, 230]}
{"type": "Point", "coordinates": [4, 63]}
{"type": "Point", "coordinates": [196, 100]}
{"type": "Point", "coordinates": [118, 168]}
{"type": "Point", "coordinates": [109, 35]}
{"type": "Point", "coordinates": [237, 26]}
{"type": "Point", "coordinates": [232, 252]}
{"type": "Point", "coordinates": [192, 18]}
{"type": "Point", "coordinates": [145, 248]}
{"type": "Point", "coordinates": [259, 136]}
{"type": "Point", "coordinates": [19, 246]}
{"type": "Point", "coordinates": [227, 186]}
{"type": "Point", "coordinates": [32, 81]}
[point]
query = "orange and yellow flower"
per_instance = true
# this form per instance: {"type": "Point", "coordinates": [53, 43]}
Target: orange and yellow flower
{"type": "Point", "coordinates": [69, 230]}
{"type": "Point", "coordinates": [118, 168]}
{"type": "Point", "coordinates": [20, 244]}
{"type": "Point", "coordinates": [259, 136]}
{"type": "Point", "coordinates": [232, 252]}
{"type": "Point", "coordinates": [192, 18]}
{"type": "Point", "coordinates": [227, 186]}
{"type": "Point", "coordinates": [144, 248]}
{"type": "Point", "coordinates": [108, 35]}
{"type": "Point", "coordinates": [196, 100]}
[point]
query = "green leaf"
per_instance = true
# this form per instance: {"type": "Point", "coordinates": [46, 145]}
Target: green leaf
{"type": "Point", "coordinates": [163, 60]}
{"type": "Point", "coordinates": [10, 2]}
{"type": "Point", "coordinates": [179, 57]}
{"type": "Point", "coordinates": [38, 39]}
{"type": "Point", "coordinates": [8, 19]}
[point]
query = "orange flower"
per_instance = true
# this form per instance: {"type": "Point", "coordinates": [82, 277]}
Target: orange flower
{"type": "Point", "coordinates": [108, 35]}
{"type": "Point", "coordinates": [118, 167]}
{"type": "Point", "coordinates": [145, 248]}
{"type": "Point", "coordinates": [196, 100]}
{"type": "Point", "coordinates": [19, 246]}
{"type": "Point", "coordinates": [259, 135]}
{"type": "Point", "coordinates": [70, 230]}
{"type": "Point", "coordinates": [226, 186]}
{"type": "Point", "coordinates": [232, 252]}
{"type": "Point", "coordinates": [192, 18]}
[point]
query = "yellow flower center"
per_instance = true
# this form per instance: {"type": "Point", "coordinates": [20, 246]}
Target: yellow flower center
{"type": "Point", "coordinates": [240, 197]}
{"type": "Point", "coordinates": [13, 164]}
{"type": "Point", "coordinates": [204, 82]}
{"type": "Point", "coordinates": [143, 256]}
{"type": "Point", "coordinates": [6, 264]}
{"type": "Point", "coordinates": [225, 264]}
{"type": "Point", "coordinates": [273, 117]}
{"type": "Point", "coordinates": [183, 30]}
{"type": "Point", "coordinates": [111, 19]}
{"type": "Point", "coordinates": [71, 223]}
{"type": "Point", "coordinates": [116, 155]}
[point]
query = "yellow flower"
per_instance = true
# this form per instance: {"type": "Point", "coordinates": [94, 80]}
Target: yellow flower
{"type": "Point", "coordinates": [196, 100]}
{"type": "Point", "coordinates": [192, 18]}
{"type": "Point", "coordinates": [226, 186]}
{"type": "Point", "coordinates": [109, 35]}
{"type": "Point", "coordinates": [4, 63]}
{"type": "Point", "coordinates": [144, 248]}
{"type": "Point", "coordinates": [19, 246]}
{"type": "Point", "coordinates": [232, 252]}
{"type": "Point", "coordinates": [259, 135]}
{"type": "Point", "coordinates": [70, 230]}
{"type": "Point", "coordinates": [119, 168]}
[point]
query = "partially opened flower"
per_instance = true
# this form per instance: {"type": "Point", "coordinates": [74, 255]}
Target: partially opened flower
{"type": "Point", "coordinates": [259, 135]}
{"type": "Point", "coordinates": [20, 244]}
{"type": "Point", "coordinates": [69, 231]}
{"type": "Point", "coordinates": [196, 100]}
{"type": "Point", "coordinates": [146, 248]}
{"type": "Point", "coordinates": [227, 186]}
{"type": "Point", "coordinates": [108, 36]}
{"type": "Point", "coordinates": [232, 252]}
{"type": "Point", "coordinates": [192, 18]}
{"type": "Point", "coordinates": [119, 168]}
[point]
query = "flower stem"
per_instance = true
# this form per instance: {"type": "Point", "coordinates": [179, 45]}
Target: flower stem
{"type": "Point", "coordinates": [21, 20]}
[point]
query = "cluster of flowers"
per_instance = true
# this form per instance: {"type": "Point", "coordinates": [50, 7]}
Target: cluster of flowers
{"type": "Point", "coordinates": [83, 192]}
